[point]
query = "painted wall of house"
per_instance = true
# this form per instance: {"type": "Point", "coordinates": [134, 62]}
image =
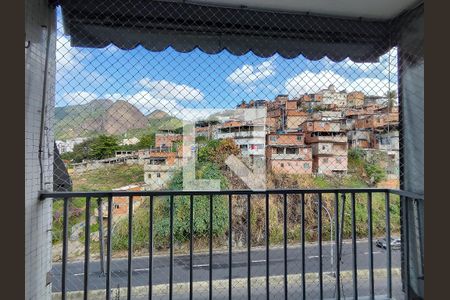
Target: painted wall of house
{"type": "Point", "coordinates": [40, 31]}
{"type": "Point", "coordinates": [291, 166]}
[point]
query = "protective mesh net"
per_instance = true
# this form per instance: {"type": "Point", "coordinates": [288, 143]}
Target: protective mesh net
{"type": "Point", "coordinates": [129, 88]}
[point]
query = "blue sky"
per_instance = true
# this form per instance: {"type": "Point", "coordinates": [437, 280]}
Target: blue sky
{"type": "Point", "coordinates": [186, 84]}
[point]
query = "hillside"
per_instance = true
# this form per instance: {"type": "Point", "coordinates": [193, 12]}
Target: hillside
{"type": "Point", "coordinates": [96, 117]}
{"type": "Point", "coordinates": [160, 120]}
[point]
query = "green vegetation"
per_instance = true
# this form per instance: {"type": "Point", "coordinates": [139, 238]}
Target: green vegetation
{"type": "Point", "coordinates": [108, 178]}
{"type": "Point", "coordinates": [99, 147]}
{"type": "Point", "coordinates": [181, 215]}
{"type": "Point", "coordinates": [217, 151]}
{"type": "Point", "coordinates": [368, 168]}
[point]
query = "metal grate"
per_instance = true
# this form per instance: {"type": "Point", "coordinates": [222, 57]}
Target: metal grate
{"type": "Point", "coordinates": [156, 96]}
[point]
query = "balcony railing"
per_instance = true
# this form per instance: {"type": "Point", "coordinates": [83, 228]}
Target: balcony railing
{"type": "Point", "coordinates": [272, 272]}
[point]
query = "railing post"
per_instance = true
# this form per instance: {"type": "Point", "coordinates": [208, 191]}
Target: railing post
{"type": "Point", "coordinates": [210, 245]}
{"type": "Point", "coordinates": [109, 249]}
{"type": "Point", "coordinates": [130, 247]}
{"type": "Point", "coordinates": [285, 279]}
{"type": "Point", "coordinates": [249, 247]}
{"type": "Point", "coordinates": [303, 245]}
{"type": "Point", "coordinates": [369, 215]}
{"type": "Point", "coordinates": [354, 248]}
{"type": "Point", "coordinates": [319, 216]}
{"type": "Point", "coordinates": [338, 250]}
{"type": "Point", "coordinates": [388, 244]}
{"type": "Point", "coordinates": [65, 246]}
{"type": "Point", "coordinates": [191, 244]}
{"type": "Point", "coordinates": [100, 235]}
{"type": "Point", "coordinates": [87, 237]}
{"type": "Point", "coordinates": [230, 247]}
{"type": "Point", "coordinates": [150, 250]}
{"type": "Point", "coordinates": [267, 235]}
{"type": "Point", "coordinates": [171, 247]}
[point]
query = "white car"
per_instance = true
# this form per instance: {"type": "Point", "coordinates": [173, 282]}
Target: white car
{"type": "Point", "coordinates": [395, 243]}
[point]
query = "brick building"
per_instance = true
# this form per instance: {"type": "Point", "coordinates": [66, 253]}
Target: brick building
{"type": "Point", "coordinates": [167, 138]}
{"type": "Point", "coordinates": [287, 153]}
{"type": "Point", "coordinates": [328, 142]}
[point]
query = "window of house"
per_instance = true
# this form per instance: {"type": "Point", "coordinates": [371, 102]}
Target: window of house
{"type": "Point", "coordinates": [282, 165]}
{"type": "Point", "coordinates": [280, 151]}
{"type": "Point", "coordinates": [273, 138]}
{"type": "Point", "coordinates": [291, 151]}
{"type": "Point", "coordinates": [116, 206]}
{"type": "Point", "coordinates": [325, 160]}
{"type": "Point", "coordinates": [158, 175]}
{"type": "Point", "coordinates": [306, 165]}
{"type": "Point", "coordinates": [299, 138]}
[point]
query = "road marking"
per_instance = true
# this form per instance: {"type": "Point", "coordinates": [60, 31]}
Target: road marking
{"type": "Point", "coordinates": [78, 274]}
{"type": "Point", "coordinates": [258, 261]}
{"type": "Point", "coordinates": [375, 252]}
{"type": "Point", "coordinates": [316, 256]}
{"type": "Point", "coordinates": [143, 269]}
{"type": "Point", "coordinates": [200, 266]}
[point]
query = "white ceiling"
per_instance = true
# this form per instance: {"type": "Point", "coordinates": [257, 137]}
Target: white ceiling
{"type": "Point", "coordinates": [371, 9]}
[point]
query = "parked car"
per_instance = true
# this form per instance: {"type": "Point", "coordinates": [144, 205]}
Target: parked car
{"type": "Point", "coordinates": [395, 243]}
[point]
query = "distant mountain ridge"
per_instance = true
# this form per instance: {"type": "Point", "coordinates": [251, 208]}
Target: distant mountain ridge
{"type": "Point", "coordinates": [104, 116]}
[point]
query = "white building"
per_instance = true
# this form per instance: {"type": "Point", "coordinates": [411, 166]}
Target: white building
{"type": "Point", "coordinates": [250, 138]}
{"type": "Point", "coordinates": [68, 145]}
{"type": "Point", "coordinates": [331, 97]}
{"type": "Point", "coordinates": [132, 141]}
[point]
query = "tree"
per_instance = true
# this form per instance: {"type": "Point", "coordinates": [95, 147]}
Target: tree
{"type": "Point", "coordinates": [392, 98]}
{"type": "Point", "coordinates": [217, 151]}
{"type": "Point", "coordinates": [147, 141]}
{"type": "Point", "coordinates": [103, 146]}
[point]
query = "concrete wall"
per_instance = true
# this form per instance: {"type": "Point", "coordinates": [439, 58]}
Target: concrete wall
{"type": "Point", "coordinates": [40, 30]}
{"type": "Point", "coordinates": [411, 95]}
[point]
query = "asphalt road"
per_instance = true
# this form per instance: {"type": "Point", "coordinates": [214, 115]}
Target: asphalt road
{"type": "Point", "coordinates": [140, 274]}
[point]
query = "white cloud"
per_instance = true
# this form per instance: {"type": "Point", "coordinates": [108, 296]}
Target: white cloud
{"type": "Point", "coordinates": [248, 73]}
{"type": "Point", "coordinates": [360, 66]}
{"type": "Point", "coordinates": [169, 90]}
{"type": "Point", "coordinates": [75, 98]}
{"type": "Point", "coordinates": [309, 82]}
{"type": "Point", "coordinates": [372, 86]}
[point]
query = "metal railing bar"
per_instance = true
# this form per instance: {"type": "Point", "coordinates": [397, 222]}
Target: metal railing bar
{"type": "Point", "coordinates": [109, 249]}
{"type": "Point", "coordinates": [87, 235]}
{"type": "Point", "coordinates": [191, 245]}
{"type": "Point", "coordinates": [388, 246]}
{"type": "Point", "coordinates": [285, 279]}
{"type": "Point", "coordinates": [337, 245]}
{"type": "Point", "coordinates": [370, 237]}
{"type": "Point", "coordinates": [60, 195]}
{"type": "Point", "coordinates": [319, 216]}
{"type": "Point", "coordinates": [303, 245]}
{"type": "Point", "coordinates": [64, 249]}
{"type": "Point", "coordinates": [150, 250]}
{"type": "Point", "coordinates": [405, 243]}
{"type": "Point", "coordinates": [130, 246]}
{"type": "Point", "coordinates": [210, 246]}
{"type": "Point", "coordinates": [171, 247]}
{"type": "Point", "coordinates": [267, 236]}
{"type": "Point", "coordinates": [249, 246]}
{"type": "Point", "coordinates": [230, 247]}
{"type": "Point", "coordinates": [354, 249]}
{"type": "Point", "coordinates": [100, 235]}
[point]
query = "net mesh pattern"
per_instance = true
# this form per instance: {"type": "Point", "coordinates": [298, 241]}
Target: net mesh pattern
{"type": "Point", "coordinates": [130, 77]}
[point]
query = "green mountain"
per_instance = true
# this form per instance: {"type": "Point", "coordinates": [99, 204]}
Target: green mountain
{"type": "Point", "coordinates": [104, 116]}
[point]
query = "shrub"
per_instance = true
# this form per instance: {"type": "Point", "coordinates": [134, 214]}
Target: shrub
{"type": "Point", "coordinates": [181, 214]}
